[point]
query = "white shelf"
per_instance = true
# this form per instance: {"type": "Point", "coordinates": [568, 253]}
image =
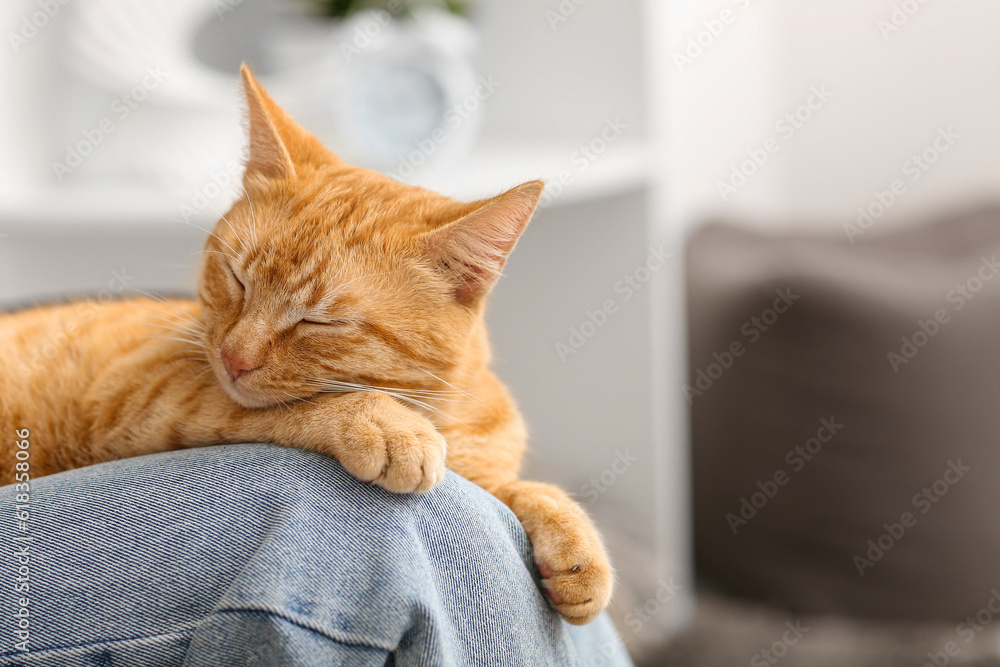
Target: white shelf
{"type": "Point", "coordinates": [497, 165]}
{"type": "Point", "coordinates": [492, 168]}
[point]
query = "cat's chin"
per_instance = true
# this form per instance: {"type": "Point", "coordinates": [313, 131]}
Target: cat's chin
{"type": "Point", "coordinates": [246, 399]}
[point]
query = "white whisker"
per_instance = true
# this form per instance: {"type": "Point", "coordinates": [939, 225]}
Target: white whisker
{"type": "Point", "coordinates": [210, 233]}
{"type": "Point", "coordinates": [239, 238]}
{"type": "Point", "coordinates": [173, 338]}
{"type": "Point", "coordinates": [184, 332]}
{"type": "Point", "coordinates": [338, 386]}
{"type": "Point", "coordinates": [296, 398]}
{"type": "Point", "coordinates": [191, 326]}
{"type": "Point", "coordinates": [161, 300]}
{"type": "Point", "coordinates": [429, 393]}
{"type": "Point", "coordinates": [443, 381]}
{"type": "Point", "coordinates": [173, 357]}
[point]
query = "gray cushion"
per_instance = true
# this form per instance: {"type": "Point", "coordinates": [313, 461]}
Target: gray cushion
{"type": "Point", "coordinates": [888, 351]}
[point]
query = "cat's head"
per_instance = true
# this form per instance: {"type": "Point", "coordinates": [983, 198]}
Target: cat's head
{"type": "Point", "coordinates": [327, 272]}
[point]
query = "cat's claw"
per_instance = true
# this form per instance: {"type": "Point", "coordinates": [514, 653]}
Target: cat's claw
{"type": "Point", "coordinates": [579, 592]}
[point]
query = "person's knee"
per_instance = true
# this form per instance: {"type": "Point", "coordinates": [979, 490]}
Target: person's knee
{"type": "Point", "coordinates": [288, 473]}
{"type": "Point", "coordinates": [311, 484]}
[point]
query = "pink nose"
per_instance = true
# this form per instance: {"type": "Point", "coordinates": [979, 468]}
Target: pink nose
{"type": "Point", "coordinates": [236, 364]}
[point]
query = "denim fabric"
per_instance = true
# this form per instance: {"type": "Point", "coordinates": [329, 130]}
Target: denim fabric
{"type": "Point", "coordinates": [250, 555]}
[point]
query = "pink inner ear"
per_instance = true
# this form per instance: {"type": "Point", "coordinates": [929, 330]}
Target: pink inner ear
{"type": "Point", "coordinates": [475, 281]}
{"type": "Point", "coordinates": [268, 158]}
{"type": "Point", "coordinates": [474, 248]}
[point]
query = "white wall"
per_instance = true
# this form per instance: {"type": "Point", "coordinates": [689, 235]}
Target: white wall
{"type": "Point", "coordinates": [568, 65]}
{"type": "Point", "coordinates": [890, 94]}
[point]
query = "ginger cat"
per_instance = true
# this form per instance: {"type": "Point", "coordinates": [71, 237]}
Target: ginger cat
{"type": "Point", "coordinates": [339, 311]}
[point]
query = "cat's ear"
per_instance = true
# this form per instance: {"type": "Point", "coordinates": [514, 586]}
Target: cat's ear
{"type": "Point", "coordinates": [473, 249]}
{"type": "Point", "coordinates": [277, 143]}
{"type": "Point", "coordinates": [268, 156]}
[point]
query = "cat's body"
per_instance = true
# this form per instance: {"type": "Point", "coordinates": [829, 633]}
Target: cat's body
{"type": "Point", "coordinates": [99, 381]}
{"type": "Point", "coordinates": [339, 311]}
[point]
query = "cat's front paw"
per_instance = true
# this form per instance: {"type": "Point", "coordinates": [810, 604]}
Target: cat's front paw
{"type": "Point", "coordinates": [569, 553]}
{"type": "Point", "coordinates": [388, 444]}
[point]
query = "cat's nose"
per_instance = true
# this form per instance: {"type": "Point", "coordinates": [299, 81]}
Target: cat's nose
{"type": "Point", "coordinates": [236, 364]}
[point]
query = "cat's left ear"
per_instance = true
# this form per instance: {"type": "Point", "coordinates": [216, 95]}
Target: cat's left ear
{"type": "Point", "coordinates": [473, 249]}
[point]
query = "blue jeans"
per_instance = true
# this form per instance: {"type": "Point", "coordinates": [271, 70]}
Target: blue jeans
{"type": "Point", "coordinates": [253, 555]}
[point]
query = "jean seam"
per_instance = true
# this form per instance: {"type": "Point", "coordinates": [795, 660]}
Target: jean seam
{"type": "Point", "coordinates": [87, 645]}
{"type": "Point", "coordinates": [332, 635]}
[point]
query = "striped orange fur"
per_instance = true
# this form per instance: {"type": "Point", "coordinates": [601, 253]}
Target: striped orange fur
{"type": "Point", "coordinates": [339, 311]}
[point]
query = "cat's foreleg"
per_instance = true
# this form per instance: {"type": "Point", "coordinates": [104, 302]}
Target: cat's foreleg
{"type": "Point", "coordinates": [569, 552]}
{"type": "Point", "coordinates": [570, 555]}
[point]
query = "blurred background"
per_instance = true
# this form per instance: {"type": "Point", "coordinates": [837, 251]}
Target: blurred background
{"type": "Point", "coordinates": [752, 326]}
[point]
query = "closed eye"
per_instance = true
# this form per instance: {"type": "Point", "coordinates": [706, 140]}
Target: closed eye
{"type": "Point", "coordinates": [325, 322]}
{"type": "Point", "coordinates": [232, 273]}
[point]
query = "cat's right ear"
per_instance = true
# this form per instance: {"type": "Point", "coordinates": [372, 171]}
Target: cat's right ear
{"type": "Point", "coordinates": [473, 249]}
{"type": "Point", "coordinates": [268, 155]}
